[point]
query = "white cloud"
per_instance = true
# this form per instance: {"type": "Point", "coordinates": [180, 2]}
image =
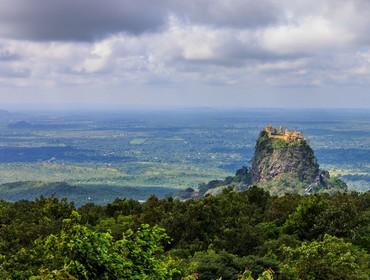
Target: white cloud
{"type": "Point", "coordinates": [310, 35]}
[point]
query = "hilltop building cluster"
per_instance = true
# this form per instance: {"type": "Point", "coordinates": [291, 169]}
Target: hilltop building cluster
{"type": "Point", "coordinates": [283, 134]}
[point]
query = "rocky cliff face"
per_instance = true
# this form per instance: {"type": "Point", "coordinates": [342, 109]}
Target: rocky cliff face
{"type": "Point", "coordinates": [282, 166]}
{"type": "Point", "coordinates": [283, 162]}
{"type": "Point", "coordinates": [274, 157]}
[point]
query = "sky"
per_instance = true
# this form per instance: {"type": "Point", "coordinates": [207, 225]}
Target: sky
{"type": "Point", "coordinates": [176, 53]}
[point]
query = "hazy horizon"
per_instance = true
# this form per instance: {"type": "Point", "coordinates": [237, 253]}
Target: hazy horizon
{"type": "Point", "coordinates": [137, 108]}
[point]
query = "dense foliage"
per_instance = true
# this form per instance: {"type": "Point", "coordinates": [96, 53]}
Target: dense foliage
{"type": "Point", "coordinates": [234, 235]}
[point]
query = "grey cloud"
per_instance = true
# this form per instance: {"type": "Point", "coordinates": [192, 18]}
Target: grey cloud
{"type": "Point", "coordinates": [78, 20]}
{"type": "Point", "coordinates": [230, 13]}
{"type": "Point", "coordinates": [87, 20]}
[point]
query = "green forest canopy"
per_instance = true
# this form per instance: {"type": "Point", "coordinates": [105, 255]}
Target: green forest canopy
{"type": "Point", "coordinates": [233, 235]}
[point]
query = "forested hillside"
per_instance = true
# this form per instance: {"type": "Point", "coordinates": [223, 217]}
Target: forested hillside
{"type": "Point", "coordinates": [234, 235]}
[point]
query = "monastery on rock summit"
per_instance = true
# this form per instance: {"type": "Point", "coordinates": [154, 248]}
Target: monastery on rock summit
{"type": "Point", "coordinates": [284, 134]}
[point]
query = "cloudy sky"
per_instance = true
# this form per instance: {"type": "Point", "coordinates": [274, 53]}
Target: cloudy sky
{"type": "Point", "coordinates": [222, 53]}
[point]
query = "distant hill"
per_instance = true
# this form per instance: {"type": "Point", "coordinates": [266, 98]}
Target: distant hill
{"type": "Point", "coordinates": [283, 162]}
{"type": "Point", "coordinates": [4, 114]}
{"type": "Point", "coordinates": [20, 125]}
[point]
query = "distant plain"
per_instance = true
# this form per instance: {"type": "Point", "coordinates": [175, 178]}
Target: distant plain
{"type": "Point", "coordinates": [144, 151]}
